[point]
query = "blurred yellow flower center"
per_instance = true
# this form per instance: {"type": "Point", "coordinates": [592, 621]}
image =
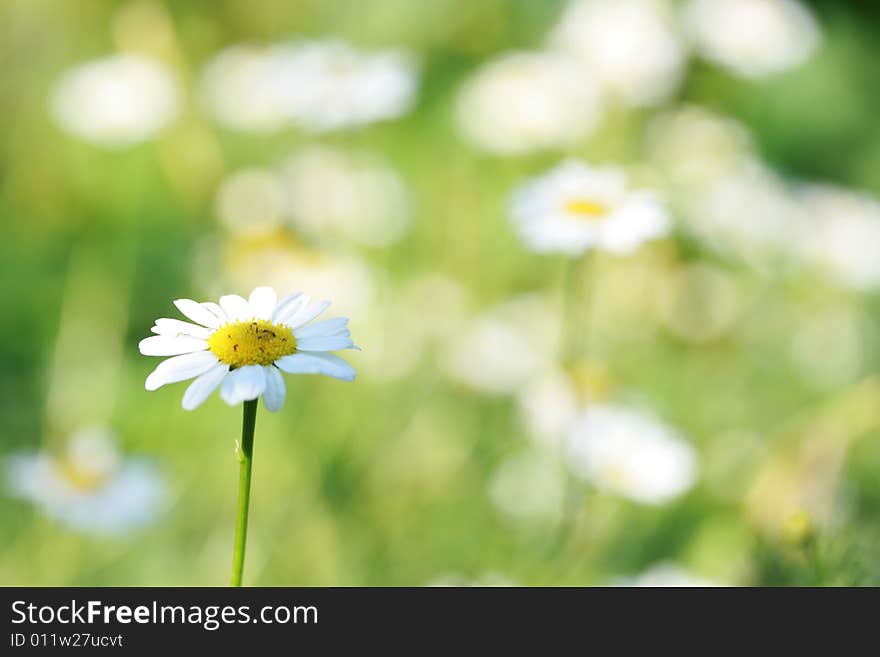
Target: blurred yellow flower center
{"type": "Point", "coordinates": [256, 342]}
{"type": "Point", "coordinates": [81, 478]}
{"type": "Point", "coordinates": [615, 474]}
{"type": "Point", "coordinates": [586, 209]}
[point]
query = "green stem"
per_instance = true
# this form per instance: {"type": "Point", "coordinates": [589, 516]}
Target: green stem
{"type": "Point", "coordinates": [574, 311]}
{"type": "Point", "coordinates": [576, 301]}
{"type": "Point", "coordinates": [572, 502]}
{"type": "Point", "coordinates": [245, 458]}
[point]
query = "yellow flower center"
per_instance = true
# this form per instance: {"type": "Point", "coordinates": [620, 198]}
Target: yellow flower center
{"type": "Point", "coordinates": [80, 478]}
{"type": "Point", "coordinates": [256, 342]}
{"type": "Point", "coordinates": [586, 209]}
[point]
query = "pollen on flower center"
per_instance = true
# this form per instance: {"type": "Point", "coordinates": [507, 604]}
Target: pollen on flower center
{"type": "Point", "coordinates": [254, 342]}
{"type": "Point", "coordinates": [586, 209]}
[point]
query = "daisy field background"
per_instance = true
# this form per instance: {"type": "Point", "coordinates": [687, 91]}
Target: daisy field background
{"type": "Point", "coordinates": [612, 266]}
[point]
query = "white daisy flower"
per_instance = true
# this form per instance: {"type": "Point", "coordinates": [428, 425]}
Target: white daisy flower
{"type": "Point", "coordinates": [753, 38]}
{"type": "Point", "coordinates": [116, 101]}
{"type": "Point", "coordinates": [632, 46]}
{"type": "Point", "coordinates": [242, 345]}
{"type": "Point", "coordinates": [575, 207]}
{"type": "Point", "coordinates": [524, 101]}
{"type": "Point", "coordinates": [90, 487]}
{"type": "Point", "coordinates": [626, 452]}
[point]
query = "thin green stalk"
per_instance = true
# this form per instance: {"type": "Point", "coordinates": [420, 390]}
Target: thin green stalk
{"type": "Point", "coordinates": [245, 459]}
{"type": "Point", "coordinates": [574, 310]}
{"type": "Point", "coordinates": [574, 346]}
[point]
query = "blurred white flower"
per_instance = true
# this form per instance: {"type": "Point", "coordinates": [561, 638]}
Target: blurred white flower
{"type": "Point", "coordinates": [243, 88]}
{"type": "Point", "coordinates": [725, 195]}
{"type": "Point", "coordinates": [575, 207]}
{"type": "Point", "coordinates": [751, 213]}
{"type": "Point", "coordinates": [282, 264]}
{"type": "Point", "coordinates": [624, 451]}
{"type": "Point", "coordinates": [521, 102]}
{"type": "Point", "coordinates": [528, 486]}
{"type": "Point", "coordinates": [844, 239]}
{"type": "Point", "coordinates": [338, 86]}
{"type": "Point", "coordinates": [548, 404]}
{"type": "Point", "coordinates": [746, 209]}
{"type": "Point", "coordinates": [250, 202]}
{"type": "Point", "coordinates": [666, 575]}
{"type": "Point", "coordinates": [241, 346]}
{"type": "Point", "coordinates": [693, 146]}
{"type": "Point", "coordinates": [90, 487]}
{"type": "Point", "coordinates": [317, 85]}
{"type": "Point", "coordinates": [116, 101]}
{"type": "Point", "coordinates": [753, 38]}
{"type": "Point", "coordinates": [632, 46]}
{"type": "Point", "coordinates": [351, 195]}
{"type": "Point", "coordinates": [502, 349]}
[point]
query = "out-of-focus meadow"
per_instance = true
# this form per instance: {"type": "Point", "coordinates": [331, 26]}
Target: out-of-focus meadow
{"type": "Point", "coordinates": [701, 408]}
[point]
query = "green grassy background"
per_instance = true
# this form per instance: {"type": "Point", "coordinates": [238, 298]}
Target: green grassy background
{"type": "Point", "coordinates": [384, 483]}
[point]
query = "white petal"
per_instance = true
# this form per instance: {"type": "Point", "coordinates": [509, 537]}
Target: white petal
{"type": "Point", "coordinates": [306, 314]}
{"type": "Point", "coordinates": [328, 364]}
{"type": "Point", "coordinates": [289, 306]}
{"type": "Point", "coordinates": [325, 327]}
{"type": "Point", "coordinates": [180, 368]}
{"type": "Point", "coordinates": [273, 398]}
{"type": "Point", "coordinates": [166, 345]}
{"type": "Point", "coordinates": [215, 310]}
{"type": "Point", "coordinates": [243, 384]}
{"type": "Point", "coordinates": [197, 313]}
{"type": "Point", "coordinates": [200, 389]}
{"type": "Point", "coordinates": [262, 302]}
{"type": "Point", "coordinates": [176, 328]}
{"type": "Point", "coordinates": [236, 308]}
{"type": "Point", "coordinates": [325, 343]}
